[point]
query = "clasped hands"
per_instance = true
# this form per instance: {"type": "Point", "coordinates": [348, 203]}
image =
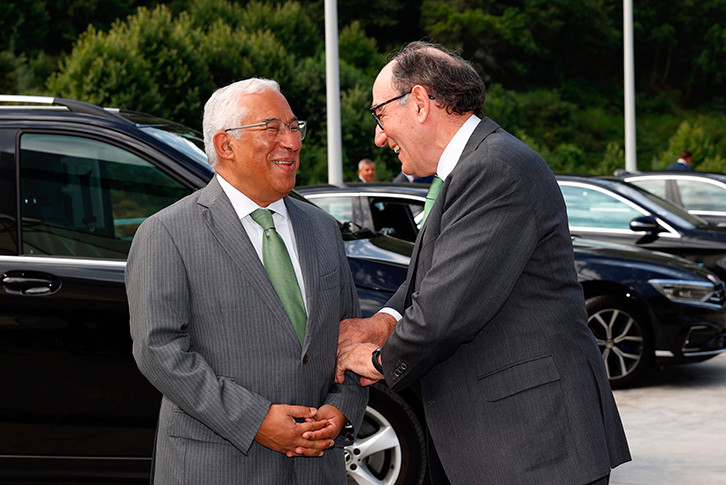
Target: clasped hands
{"type": "Point", "coordinates": [306, 431]}
{"type": "Point", "coordinates": [357, 340]}
{"type": "Point", "coordinates": [300, 430]}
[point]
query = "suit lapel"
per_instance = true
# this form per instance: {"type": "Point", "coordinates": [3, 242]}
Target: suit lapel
{"type": "Point", "coordinates": [221, 218]}
{"type": "Point", "coordinates": [482, 130]}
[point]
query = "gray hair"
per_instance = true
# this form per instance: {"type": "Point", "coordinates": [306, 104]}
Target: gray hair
{"type": "Point", "coordinates": [365, 162]}
{"type": "Point", "coordinates": [222, 110]}
{"type": "Point", "coordinates": [447, 76]}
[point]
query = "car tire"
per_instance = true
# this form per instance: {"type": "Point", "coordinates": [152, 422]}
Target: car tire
{"type": "Point", "coordinates": [624, 337]}
{"type": "Point", "coordinates": [390, 448]}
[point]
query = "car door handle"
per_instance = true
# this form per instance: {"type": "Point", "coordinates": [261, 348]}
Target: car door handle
{"type": "Point", "coordinates": [29, 283]}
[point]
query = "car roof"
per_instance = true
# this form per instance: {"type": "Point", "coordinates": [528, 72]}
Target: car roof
{"type": "Point", "coordinates": [674, 173]}
{"type": "Point", "coordinates": [45, 106]}
{"type": "Point", "coordinates": [374, 188]}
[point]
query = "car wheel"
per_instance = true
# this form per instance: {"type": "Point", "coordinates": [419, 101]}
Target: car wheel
{"type": "Point", "coordinates": [623, 336]}
{"type": "Point", "coordinates": [390, 447]}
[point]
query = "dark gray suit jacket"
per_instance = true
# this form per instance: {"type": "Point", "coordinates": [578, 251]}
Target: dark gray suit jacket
{"type": "Point", "coordinates": [211, 334]}
{"type": "Point", "coordinates": [494, 327]}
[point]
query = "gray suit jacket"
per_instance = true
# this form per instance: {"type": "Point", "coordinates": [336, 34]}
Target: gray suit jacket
{"type": "Point", "coordinates": [210, 332]}
{"type": "Point", "coordinates": [494, 327]}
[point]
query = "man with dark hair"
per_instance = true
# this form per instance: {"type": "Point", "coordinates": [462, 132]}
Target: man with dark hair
{"type": "Point", "coordinates": [491, 319]}
{"type": "Point", "coordinates": [683, 162]}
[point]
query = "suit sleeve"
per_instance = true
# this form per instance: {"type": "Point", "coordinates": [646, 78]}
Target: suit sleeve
{"type": "Point", "coordinates": [158, 295]}
{"type": "Point", "coordinates": [350, 397]}
{"type": "Point", "coordinates": [488, 232]}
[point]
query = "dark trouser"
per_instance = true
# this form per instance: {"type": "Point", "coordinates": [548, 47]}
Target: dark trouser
{"type": "Point", "coordinates": [436, 469]}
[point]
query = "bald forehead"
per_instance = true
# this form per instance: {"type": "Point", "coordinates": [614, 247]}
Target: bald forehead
{"type": "Point", "coordinates": [383, 85]}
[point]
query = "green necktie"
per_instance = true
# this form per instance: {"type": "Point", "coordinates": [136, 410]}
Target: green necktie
{"type": "Point", "coordinates": [431, 195]}
{"type": "Point", "coordinates": [281, 272]}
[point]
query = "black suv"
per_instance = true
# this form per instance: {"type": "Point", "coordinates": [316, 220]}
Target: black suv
{"type": "Point", "coordinates": [76, 181]}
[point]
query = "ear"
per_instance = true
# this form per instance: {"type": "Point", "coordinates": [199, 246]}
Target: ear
{"type": "Point", "coordinates": [421, 102]}
{"type": "Point", "coordinates": [222, 145]}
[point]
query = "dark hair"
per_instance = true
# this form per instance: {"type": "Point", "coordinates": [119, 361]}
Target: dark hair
{"type": "Point", "coordinates": [452, 80]}
{"type": "Point", "coordinates": [685, 154]}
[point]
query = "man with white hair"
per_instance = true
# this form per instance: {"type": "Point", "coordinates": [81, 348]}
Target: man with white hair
{"type": "Point", "coordinates": [235, 302]}
{"type": "Point", "coordinates": [366, 171]}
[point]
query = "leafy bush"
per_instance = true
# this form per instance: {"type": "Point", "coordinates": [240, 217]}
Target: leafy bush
{"type": "Point", "coordinates": [563, 94]}
{"type": "Point", "coordinates": [149, 63]}
{"type": "Point", "coordinates": [694, 137]}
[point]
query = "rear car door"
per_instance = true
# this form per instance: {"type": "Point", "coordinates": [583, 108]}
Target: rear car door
{"type": "Point", "coordinates": [73, 399]}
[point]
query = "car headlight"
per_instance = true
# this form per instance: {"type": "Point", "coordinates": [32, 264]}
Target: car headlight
{"type": "Point", "coordinates": [685, 291]}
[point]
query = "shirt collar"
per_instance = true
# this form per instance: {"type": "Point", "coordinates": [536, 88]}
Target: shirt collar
{"type": "Point", "coordinates": [455, 148]}
{"type": "Point", "coordinates": [244, 206]}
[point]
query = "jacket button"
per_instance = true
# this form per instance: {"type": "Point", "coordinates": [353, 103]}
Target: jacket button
{"type": "Point", "coordinates": [305, 359]}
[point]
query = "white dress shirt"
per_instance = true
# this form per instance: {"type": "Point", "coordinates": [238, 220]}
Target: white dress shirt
{"type": "Point", "coordinates": [447, 163]}
{"type": "Point", "coordinates": [244, 206]}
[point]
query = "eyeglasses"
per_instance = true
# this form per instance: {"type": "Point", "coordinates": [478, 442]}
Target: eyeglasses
{"type": "Point", "coordinates": [373, 109]}
{"type": "Point", "coordinates": [275, 128]}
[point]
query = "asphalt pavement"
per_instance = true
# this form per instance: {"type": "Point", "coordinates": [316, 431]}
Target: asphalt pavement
{"type": "Point", "coordinates": [676, 426]}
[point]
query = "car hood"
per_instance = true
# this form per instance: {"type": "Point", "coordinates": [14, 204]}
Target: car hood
{"type": "Point", "coordinates": [379, 262]}
{"type": "Point", "coordinates": [587, 250]}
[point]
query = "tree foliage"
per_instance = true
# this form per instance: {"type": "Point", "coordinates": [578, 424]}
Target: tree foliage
{"type": "Point", "coordinates": [148, 63]}
{"type": "Point", "coordinates": [553, 68]}
{"type": "Point", "coordinates": [168, 64]}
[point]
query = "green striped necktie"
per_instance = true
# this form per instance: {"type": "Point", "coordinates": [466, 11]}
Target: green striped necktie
{"type": "Point", "coordinates": [431, 195]}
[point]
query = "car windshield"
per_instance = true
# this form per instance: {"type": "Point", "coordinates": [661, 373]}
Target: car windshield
{"type": "Point", "coordinates": [661, 207]}
{"type": "Point", "coordinates": [187, 141]}
{"type": "Point", "coordinates": [182, 138]}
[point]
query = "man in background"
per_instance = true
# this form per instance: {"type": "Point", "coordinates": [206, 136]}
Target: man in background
{"type": "Point", "coordinates": [366, 171]}
{"type": "Point", "coordinates": [683, 162]}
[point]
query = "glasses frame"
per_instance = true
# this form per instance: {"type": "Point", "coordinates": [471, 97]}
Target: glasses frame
{"type": "Point", "coordinates": [302, 128]}
{"type": "Point", "coordinates": [373, 109]}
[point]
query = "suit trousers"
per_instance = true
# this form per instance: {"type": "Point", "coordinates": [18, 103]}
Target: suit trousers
{"type": "Point", "coordinates": [437, 474]}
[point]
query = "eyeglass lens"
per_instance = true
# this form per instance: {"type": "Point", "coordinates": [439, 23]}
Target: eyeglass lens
{"type": "Point", "coordinates": [276, 129]}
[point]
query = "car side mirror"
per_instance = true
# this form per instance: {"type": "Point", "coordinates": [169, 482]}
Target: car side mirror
{"type": "Point", "coordinates": [646, 224]}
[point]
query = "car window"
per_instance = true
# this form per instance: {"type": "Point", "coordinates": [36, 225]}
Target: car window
{"type": "Point", "coordinates": [702, 195]}
{"type": "Point", "coordinates": [86, 198]}
{"type": "Point", "coordinates": [593, 209]}
{"type": "Point", "coordinates": [339, 207]}
{"type": "Point", "coordinates": [657, 186]}
{"type": "Point", "coordinates": [395, 217]}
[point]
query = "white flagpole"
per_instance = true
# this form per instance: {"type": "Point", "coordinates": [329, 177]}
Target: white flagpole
{"type": "Point", "coordinates": [631, 161]}
{"type": "Point", "coordinates": [332, 83]}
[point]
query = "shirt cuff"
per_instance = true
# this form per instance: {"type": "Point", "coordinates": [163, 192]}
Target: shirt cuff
{"type": "Point", "coordinates": [392, 312]}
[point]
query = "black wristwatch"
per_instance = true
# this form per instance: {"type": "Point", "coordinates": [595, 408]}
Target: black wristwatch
{"type": "Point", "coordinates": [374, 357]}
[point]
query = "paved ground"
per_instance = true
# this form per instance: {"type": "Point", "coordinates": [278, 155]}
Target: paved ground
{"type": "Point", "coordinates": [676, 427]}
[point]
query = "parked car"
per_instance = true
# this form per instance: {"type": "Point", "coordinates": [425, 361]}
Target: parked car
{"type": "Point", "coordinates": [702, 193]}
{"type": "Point", "coordinates": [611, 210]}
{"type": "Point", "coordinates": [643, 307]}
{"type": "Point", "coordinates": [386, 208]}
{"type": "Point", "coordinates": [76, 181]}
